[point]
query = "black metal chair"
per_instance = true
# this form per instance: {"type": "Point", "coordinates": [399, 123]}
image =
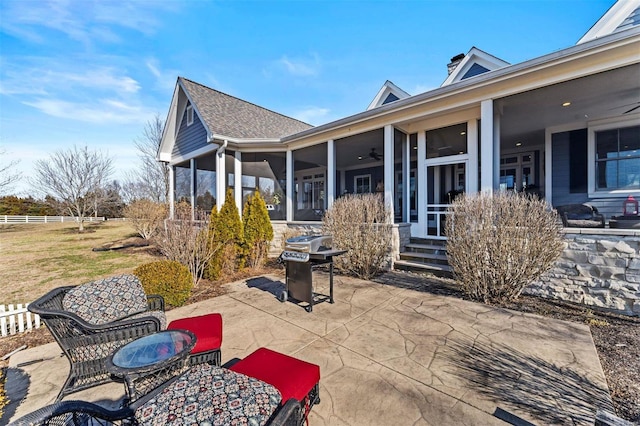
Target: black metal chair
{"type": "Point", "coordinates": [197, 396]}
{"type": "Point", "coordinates": [92, 320]}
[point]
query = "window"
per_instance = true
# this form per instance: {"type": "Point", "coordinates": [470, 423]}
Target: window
{"type": "Point", "coordinates": [362, 184]}
{"type": "Point", "coordinates": [447, 141]}
{"type": "Point", "coordinates": [189, 115]}
{"type": "Point", "coordinates": [617, 157]}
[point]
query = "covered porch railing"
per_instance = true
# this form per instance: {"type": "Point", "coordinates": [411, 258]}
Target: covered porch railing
{"type": "Point", "coordinates": [436, 216]}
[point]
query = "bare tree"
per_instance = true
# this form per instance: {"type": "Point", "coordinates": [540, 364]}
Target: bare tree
{"type": "Point", "coordinates": [7, 176]}
{"type": "Point", "coordinates": [151, 179]}
{"type": "Point", "coordinates": [76, 178]}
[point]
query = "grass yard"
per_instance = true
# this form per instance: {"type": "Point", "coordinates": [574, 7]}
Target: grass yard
{"type": "Point", "coordinates": [35, 258]}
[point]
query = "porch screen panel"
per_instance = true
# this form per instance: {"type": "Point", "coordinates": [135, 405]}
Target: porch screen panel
{"type": "Point", "coordinates": [310, 168]}
{"type": "Point", "coordinates": [618, 158]}
{"type": "Point", "coordinates": [267, 174]}
{"type": "Point", "coordinates": [182, 183]}
{"type": "Point", "coordinates": [206, 182]}
{"type": "Point", "coordinates": [446, 141]}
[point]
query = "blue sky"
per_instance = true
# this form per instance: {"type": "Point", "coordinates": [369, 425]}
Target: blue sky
{"type": "Point", "coordinates": [85, 72]}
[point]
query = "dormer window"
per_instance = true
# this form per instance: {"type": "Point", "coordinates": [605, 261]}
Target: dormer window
{"type": "Point", "coordinates": [189, 115]}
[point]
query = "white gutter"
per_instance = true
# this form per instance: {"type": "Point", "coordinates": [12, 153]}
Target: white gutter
{"type": "Point", "coordinates": [222, 148]}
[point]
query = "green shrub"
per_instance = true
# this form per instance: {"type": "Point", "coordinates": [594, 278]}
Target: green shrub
{"type": "Point", "coordinates": [497, 244]}
{"type": "Point", "coordinates": [258, 231]}
{"type": "Point", "coordinates": [168, 278]}
{"type": "Point", "coordinates": [226, 232]}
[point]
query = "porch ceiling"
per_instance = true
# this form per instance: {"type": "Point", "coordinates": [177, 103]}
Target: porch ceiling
{"type": "Point", "coordinates": [605, 95]}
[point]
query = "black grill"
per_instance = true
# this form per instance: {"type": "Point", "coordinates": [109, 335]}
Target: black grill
{"type": "Point", "coordinates": [301, 255]}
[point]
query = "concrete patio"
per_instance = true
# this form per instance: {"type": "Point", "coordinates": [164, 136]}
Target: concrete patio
{"type": "Point", "coordinates": [388, 354]}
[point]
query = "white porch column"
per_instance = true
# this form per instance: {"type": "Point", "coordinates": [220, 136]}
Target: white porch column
{"type": "Point", "coordinates": [406, 164]}
{"type": "Point", "coordinates": [221, 177]}
{"type": "Point", "coordinates": [331, 172]}
{"type": "Point", "coordinates": [192, 186]}
{"type": "Point", "coordinates": [237, 181]}
{"type": "Point", "coordinates": [496, 151]}
{"type": "Point", "coordinates": [421, 181]}
{"type": "Point", "coordinates": [472, 149]}
{"type": "Point", "coordinates": [343, 181]}
{"type": "Point", "coordinates": [290, 193]}
{"type": "Point", "coordinates": [486, 151]}
{"type": "Point", "coordinates": [172, 191]}
{"type": "Point", "coordinates": [388, 168]}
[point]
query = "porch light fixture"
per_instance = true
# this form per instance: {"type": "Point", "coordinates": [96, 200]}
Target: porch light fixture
{"type": "Point", "coordinates": [463, 133]}
{"type": "Point", "coordinates": [519, 144]}
{"type": "Point", "coordinates": [566, 104]}
{"type": "Point", "coordinates": [359, 157]}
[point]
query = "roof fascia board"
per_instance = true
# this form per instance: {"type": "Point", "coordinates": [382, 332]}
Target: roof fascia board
{"type": "Point", "coordinates": [168, 138]}
{"type": "Point", "coordinates": [217, 136]}
{"type": "Point", "coordinates": [617, 13]}
{"type": "Point", "coordinates": [616, 40]}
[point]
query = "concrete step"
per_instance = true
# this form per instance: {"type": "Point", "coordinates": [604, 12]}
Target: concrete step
{"type": "Point", "coordinates": [440, 270]}
{"type": "Point", "coordinates": [425, 248]}
{"type": "Point", "coordinates": [419, 256]}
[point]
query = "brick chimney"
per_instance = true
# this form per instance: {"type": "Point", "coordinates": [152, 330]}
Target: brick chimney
{"type": "Point", "coordinates": [455, 61]}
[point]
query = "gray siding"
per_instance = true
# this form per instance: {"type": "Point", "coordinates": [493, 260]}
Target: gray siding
{"type": "Point", "coordinates": [609, 206]}
{"type": "Point", "coordinates": [561, 173]}
{"type": "Point", "coordinates": [190, 138]}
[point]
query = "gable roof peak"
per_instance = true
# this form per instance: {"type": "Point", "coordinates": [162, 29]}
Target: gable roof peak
{"type": "Point", "coordinates": [475, 62]}
{"type": "Point", "coordinates": [389, 92]}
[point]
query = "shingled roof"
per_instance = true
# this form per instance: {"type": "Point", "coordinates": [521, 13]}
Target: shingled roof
{"type": "Point", "coordinates": [229, 116]}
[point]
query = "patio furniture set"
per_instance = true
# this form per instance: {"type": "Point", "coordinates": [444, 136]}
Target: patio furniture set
{"type": "Point", "coordinates": [110, 330]}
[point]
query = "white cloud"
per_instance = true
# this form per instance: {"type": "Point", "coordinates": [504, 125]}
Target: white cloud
{"type": "Point", "coordinates": [100, 111]}
{"type": "Point", "coordinates": [302, 67]}
{"type": "Point", "coordinates": [313, 115]}
{"type": "Point", "coordinates": [165, 79]}
{"type": "Point", "coordinates": [87, 21]}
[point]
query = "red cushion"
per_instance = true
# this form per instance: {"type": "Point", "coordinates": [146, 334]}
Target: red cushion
{"type": "Point", "coordinates": [293, 377]}
{"type": "Point", "coordinates": [207, 328]}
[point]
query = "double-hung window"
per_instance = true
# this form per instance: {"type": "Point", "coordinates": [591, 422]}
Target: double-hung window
{"type": "Point", "coordinates": [617, 159]}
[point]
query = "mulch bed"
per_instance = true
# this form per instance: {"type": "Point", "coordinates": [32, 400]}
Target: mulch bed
{"type": "Point", "coordinates": [616, 337]}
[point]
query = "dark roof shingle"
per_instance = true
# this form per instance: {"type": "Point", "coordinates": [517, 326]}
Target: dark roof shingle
{"type": "Point", "coordinates": [229, 116]}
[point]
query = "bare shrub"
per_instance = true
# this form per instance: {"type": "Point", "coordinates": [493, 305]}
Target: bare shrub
{"type": "Point", "coordinates": [499, 243]}
{"type": "Point", "coordinates": [360, 224]}
{"type": "Point", "coordinates": [146, 217]}
{"type": "Point", "coordinates": [187, 241]}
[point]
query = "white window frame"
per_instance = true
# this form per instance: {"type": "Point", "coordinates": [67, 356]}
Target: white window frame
{"type": "Point", "coordinates": [355, 183]}
{"type": "Point", "coordinates": [617, 123]}
{"type": "Point", "coordinates": [189, 115]}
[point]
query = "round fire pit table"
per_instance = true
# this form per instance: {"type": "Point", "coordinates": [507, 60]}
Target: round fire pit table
{"type": "Point", "coordinates": [150, 361]}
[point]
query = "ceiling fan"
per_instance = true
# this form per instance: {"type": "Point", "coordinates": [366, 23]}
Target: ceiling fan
{"type": "Point", "coordinates": [372, 154]}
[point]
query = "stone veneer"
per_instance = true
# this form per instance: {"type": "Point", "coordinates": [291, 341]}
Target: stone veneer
{"type": "Point", "coordinates": [599, 267]}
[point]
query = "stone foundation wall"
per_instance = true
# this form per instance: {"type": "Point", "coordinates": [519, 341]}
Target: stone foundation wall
{"type": "Point", "coordinates": [598, 268]}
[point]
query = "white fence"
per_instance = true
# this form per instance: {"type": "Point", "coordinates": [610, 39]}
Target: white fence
{"type": "Point", "coordinates": [17, 319]}
{"type": "Point", "coordinates": [45, 219]}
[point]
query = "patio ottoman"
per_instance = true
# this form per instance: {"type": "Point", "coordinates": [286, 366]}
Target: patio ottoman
{"type": "Point", "coordinates": [208, 331]}
{"type": "Point", "coordinates": [293, 377]}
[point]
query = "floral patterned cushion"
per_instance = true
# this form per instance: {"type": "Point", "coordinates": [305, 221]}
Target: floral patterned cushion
{"type": "Point", "coordinates": [211, 395]}
{"type": "Point", "coordinates": [107, 300]}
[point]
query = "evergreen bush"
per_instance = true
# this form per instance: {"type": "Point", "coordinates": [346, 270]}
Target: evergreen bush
{"type": "Point", "coordinates": [258, 231]}
{"type": "Point", "coordinates": [226, 232]}
{"type": "Point", "coordinates": [497, 244]}
{"type": "Point", "coordinates": [168, 278]}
